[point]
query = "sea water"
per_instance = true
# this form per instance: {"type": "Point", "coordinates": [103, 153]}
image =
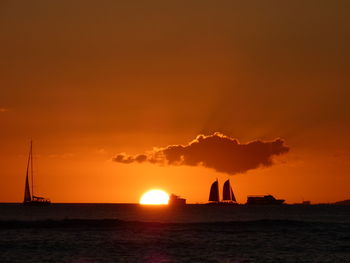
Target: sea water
{"type": "Point", "coordinates": [192, 233]}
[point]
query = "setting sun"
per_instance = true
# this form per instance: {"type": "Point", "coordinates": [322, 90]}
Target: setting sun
{"type": "Point", "coordinates": [154, 197]}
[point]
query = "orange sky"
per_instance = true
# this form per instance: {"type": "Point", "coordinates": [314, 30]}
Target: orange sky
{"type": "Point", "coordinates": [90, 80]}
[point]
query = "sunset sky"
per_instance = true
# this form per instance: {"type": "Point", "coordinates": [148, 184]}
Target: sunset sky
{"type": "Point", "coordinates": [91, 80]}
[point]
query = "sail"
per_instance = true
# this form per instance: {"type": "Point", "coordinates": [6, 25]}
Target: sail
{"type": "Point", "coordinates": [214, 192]}
{"type": "Point", "coordinates": [227, 192]}
{"type": "Point", "coordinates": [27, 197]}
{"type": "Point", "coordinates": [233, 198]}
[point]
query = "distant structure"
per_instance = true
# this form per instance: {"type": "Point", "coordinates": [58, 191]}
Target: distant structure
{"type": "Point", "coordinates": [228, 196]}
{"type": "Point", "coordinates": [264, 200]}
{"type": "Point", "coordinates": [175, 200]}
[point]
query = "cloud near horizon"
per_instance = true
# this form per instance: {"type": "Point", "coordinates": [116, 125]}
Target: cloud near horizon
{"type": "Point", "coordinates": [216, 151]}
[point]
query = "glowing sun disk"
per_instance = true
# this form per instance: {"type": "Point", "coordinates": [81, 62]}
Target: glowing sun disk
{"type": "Point", "coordinates": [154, 197]}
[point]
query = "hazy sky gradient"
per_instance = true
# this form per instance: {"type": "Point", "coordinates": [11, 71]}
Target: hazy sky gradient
{"type": "Point", "coordinates": [90, 79]}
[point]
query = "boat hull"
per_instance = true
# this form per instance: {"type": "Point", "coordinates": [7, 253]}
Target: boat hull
{"type": "Point", "coordinates": [35, 203]}
{"type": "Point", "coordinates": [223, 203]}
{"type": "Point", "coordinates": [264, 200]}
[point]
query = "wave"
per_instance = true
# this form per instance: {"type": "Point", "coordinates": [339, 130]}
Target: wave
{"type": "Point", "coordinates": [115, 223]}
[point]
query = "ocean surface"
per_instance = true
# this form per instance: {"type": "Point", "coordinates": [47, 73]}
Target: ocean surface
{"type": "Point", "coordinates": [193, 233]}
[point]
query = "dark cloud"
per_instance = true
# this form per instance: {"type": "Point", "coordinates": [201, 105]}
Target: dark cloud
{"type": "Point", "coordinates": [124, 158]}
{"type": "Point", "coordinates": [217, 151]}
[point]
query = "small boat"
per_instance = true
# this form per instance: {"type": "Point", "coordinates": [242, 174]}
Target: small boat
{"type": "Point", "coordinates": [227, 194]}
{"type": "Point", "coordinates": [264, 200]}
{"type": "Point", "coordinates": [30, 198]}
{"type": "Point", "coordinates": [175, 200]}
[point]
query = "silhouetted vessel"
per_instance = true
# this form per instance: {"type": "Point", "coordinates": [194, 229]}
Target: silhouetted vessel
{"type": "Point", "coordinates": [264, 200]}
{"type": "Point", "coordinates": [30, 198]}
{"type": "Point", "coordinates": [228, 196]}
{"type": "Point", "coordinates": [175, 200]}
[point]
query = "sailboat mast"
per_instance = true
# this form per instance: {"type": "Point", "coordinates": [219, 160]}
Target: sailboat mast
{"type": "Point", "coordinates": [31, 165]}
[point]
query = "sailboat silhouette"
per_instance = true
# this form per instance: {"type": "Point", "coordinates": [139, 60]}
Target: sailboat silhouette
{"type": "Point", "coordinates": [30, 198]}
{"type": "Point", "coordinates": [228, 196]}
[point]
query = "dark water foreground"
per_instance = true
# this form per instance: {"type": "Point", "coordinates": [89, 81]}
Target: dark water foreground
{"type": "Point", "coordinates": [113, 240]}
